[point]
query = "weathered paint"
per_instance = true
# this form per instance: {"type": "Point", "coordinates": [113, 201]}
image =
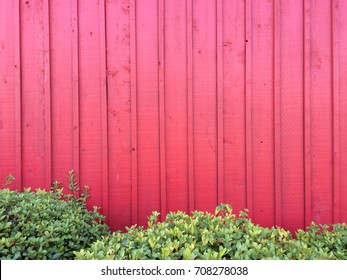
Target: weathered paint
{"type": "Point", "coordinates": [179, 105]}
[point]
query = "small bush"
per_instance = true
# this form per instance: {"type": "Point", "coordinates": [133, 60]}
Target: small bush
{"type": "Point", "coordinates": [331, 240]}
{"type": "Point", "coordinates": [42, 225]}
{"type": "Point", "coordinates": [204, 236]}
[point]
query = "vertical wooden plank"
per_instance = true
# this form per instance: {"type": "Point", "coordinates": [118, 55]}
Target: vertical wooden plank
{"type": "Point", "coordinates": [176, 132]}
{"type": "Point", "coordinates": [7, 125]}
{"type": "Point", "coordinates": [47, 90]}
{"type": "Point", "coordinates": [148, 109]}
{"type": "Point", "coordinates": [307, 111]}
{"type": "Point", "coordinates": [161, 88]}
{"type": "Point", "coordinates": [190, 119]}
{"type": "Point", "coordinates": [321, 112]}
{"type": "Point", "coordinates": [336, 109]}
{"type": "Point", "coordinates": [133, 89]}
{"type": "Point", "coordinates": [75, 91]}
{"type": "Point", "coordinates": [342, 60]}
{"type": "Point", "coordinates": [262, 113]}
{"type": "Point", "coordinates": [91, 94]}
{"type": "Point", "coordinates": [277, 111]}
{"type": "Point", "coordinates": [61, 84]}
{"type": "Point", "coordinates": [18, 93]}
{"type": "Point", "coordinates": [205, 104]}
{"type": "Point", "coordinates": [292, 117]}
{"type": "Point", "coordinates": [34, 75]}
{"type": "Point", "coordinates": [220, 105]}
{"type": "Point", "coordinates": [234, 99]}
{"type": "Point", "coordinates": [61, 64]}
{"type": "Point", "coordinates": [104, 110]}
{"type": "Point", "coordinates": [119, 112]}
{"type": "Point", "coordinates": [248, 107]}
{"type": "Point", "coordinates": [10, 93]}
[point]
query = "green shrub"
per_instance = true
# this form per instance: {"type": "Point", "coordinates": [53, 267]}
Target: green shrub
{"type": "Point", "coordinates": [44, 225]}
{"type": "Point", "coordinates": [331, 240]}
{"type": "Point", "coordinates": [202, 236]}
{"type": "Point", "coordinates": [48, 225]}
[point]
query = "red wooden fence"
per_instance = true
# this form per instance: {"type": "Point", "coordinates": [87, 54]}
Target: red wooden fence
{"type": "Point", "coordinates": [179, 104]}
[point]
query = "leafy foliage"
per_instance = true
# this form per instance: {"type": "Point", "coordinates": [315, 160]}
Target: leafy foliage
{"type": "Point", "coordinates": [331, 240]}
{"type": "Point", "coordinates": [50, 225]}
{"type": "Point", "coordinates": [46, 225]}
{"type": "Point", "coordinates": [208, 236]}
{"type": "Point", "coordinates": [9, 179]}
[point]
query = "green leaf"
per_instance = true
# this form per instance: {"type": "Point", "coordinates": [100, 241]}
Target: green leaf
{"type": "Point", "coordinates": [56, 256]}
{"type": "Point", "coordinates": [187, 254]}
{"type": "Point", "coordinates": [16, 256]}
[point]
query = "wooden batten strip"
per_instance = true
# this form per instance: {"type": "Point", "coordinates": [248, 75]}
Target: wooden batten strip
{"type": "Point", "coordinates": [133, 89]}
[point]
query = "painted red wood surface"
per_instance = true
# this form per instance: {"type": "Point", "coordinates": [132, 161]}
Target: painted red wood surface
{"type": "Point", "coordinates": [179, 105]}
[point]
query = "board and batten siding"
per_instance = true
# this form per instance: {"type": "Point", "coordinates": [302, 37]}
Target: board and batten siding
{"type": "Point", "coordinates": [179, 105]}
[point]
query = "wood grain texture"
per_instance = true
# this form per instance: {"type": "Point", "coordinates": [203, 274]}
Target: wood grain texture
{"type": "Point", "coordinates": [34, 95]}
{"type": "Point", "coordinates": [190, 104]}
{"type": "Point", "coordinates": [63, 90]}
{"type": "Point", "coordinates": [321, 113]}
{"type": "Point", "coordinates": [133, 102]}
{"type": "Point", "coordinates": [336, 109]}
{"type": "Point", "coordinates": [220, 103]}
{"type": "Point", "coordinates": [235, 154]}
{"type": "Point", "coordinates": [104, 110]}
{"type": "Point", "coordinates": [248, 106]}
{"type": "Point", "coordinates": [205, 104]}
{"type": "Point", "coordinates": [277, 111]}
{"type": "Point", "coordinates": [307, 111]}
{"type": "Point", "coordinates": [148, 133]}
{"type": "Point", "coordinates": [47, 93]}
{"type": "Point", "coordinates": [292, 117]}
{"type": "Point", "coordinates": [161, 89]}
{"type": "Point", "coordinates": [179, 105]}
{"type": "Point", "coordinates": [121, 111]}
{"type": "Point", "coordinates": [262, 112]}
{"type": "Point", "coordinates": [342, 47]}
{"type": "Point", "coordinates": [176, 107]}
{"type": "Point", "coordinates": [10, 88]}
